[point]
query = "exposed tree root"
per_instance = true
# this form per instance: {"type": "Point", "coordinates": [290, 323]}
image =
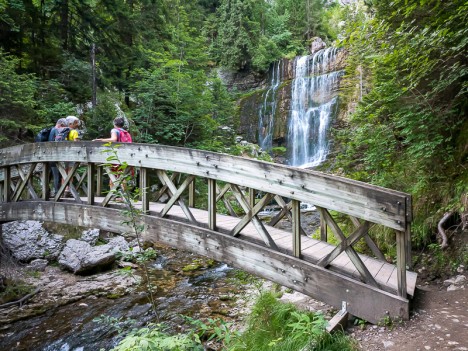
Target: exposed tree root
{"type": "Point", "coordinates": [441, 230]}
{"type": "Point", "coordinates": [21, 301]}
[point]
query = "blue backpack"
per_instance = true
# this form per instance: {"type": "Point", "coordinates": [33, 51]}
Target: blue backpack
{"type": "Point", "coordinates": [62, 134]}
{"type": "Point", "coordinates": [43, 135]}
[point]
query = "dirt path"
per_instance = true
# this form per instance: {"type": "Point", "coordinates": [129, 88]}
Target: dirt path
{"type": "Point", "coordinates": [439, 321]}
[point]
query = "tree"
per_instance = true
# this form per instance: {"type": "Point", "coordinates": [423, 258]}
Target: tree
{"type": "Point", "coordinates": [16, 100]}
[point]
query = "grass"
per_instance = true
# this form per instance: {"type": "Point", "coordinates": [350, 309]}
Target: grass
{"type": "Point", "coordinates": [277, 326]}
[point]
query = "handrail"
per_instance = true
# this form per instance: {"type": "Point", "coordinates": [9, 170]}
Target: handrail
{"type": "Point", "coordinates": [372, 203]}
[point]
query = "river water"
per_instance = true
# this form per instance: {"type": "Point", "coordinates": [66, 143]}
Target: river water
{"type": "Point", "coordinates": [205, 292]}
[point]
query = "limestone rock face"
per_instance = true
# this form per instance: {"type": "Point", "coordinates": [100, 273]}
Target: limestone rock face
{"type": "Point", "coordinates": [316, 45]}
{"type": "Point", "coordinates": [251, 105]}
{"type": "Point", "coordinates": [80, 257]}
{"type": "Point", "coordinates": [28, 240]}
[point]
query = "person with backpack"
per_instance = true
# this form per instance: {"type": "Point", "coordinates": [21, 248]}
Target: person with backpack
{"type": "Point", "coordinates": [69, 133]}
{"type": "Point", "coordinates": [118, 135]}
{"type": "Point", "coordinates": [73, 123]}
{"type": "Point", "coordinates": [61, 123]}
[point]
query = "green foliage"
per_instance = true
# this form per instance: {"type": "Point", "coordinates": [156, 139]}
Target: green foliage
{"type": "Point", "coordinates": [213, 329]}
{"type": "Point", "coordinates": [16, 99]}
{"type": "Point", "coordinates": [411, 79]}
{"type": "Point", "coordinates": [155, 338]}
{"type": "Point", "coordinates": [15, 290]}
{"type": "Point", "coordinates": [252, 34]}
{"type": "Point", "coordinates": [273, 325]}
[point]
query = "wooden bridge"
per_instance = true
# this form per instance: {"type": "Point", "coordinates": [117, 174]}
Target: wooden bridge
{"type": "Point", "coordinates": [222, 220]}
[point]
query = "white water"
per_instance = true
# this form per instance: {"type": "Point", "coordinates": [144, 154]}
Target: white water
{"type": "Point", "coordinates": [311, 112]}
{"type": "Point", "coordinates": [267, 111]}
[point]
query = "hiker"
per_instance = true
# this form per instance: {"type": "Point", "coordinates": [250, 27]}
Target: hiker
{"type": "Point", "coordinates": [118, 134]}
{"type": "Point", "coordinates": [61, 123]}
{"type": "Point", "coordinates": [72, 124]}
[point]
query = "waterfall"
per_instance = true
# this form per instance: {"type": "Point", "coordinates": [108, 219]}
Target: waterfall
{"type": "Point", "coordinates": [267, 111]}
{"type": "Point", "coordinates": [311, 108]}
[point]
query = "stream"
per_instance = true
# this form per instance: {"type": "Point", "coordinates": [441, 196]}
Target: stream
{"type": "Point", "coordinates": [206, 292]}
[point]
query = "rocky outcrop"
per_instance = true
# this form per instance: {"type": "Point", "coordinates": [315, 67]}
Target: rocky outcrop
{"type": "Point", "coordinates": [28, 240]}
{"type": "Point", "coordinates": [241, 81]}
{"type": "Point", "coordinates": [80, 257]}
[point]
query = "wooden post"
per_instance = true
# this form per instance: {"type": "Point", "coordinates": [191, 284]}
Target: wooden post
{"type": "Point", "coordinates": [323, 228]}
{"type": "Point", "coordinates": [409, 219]}
{"type": "Point", "coordinates": [212, 204]}
{"type": "Point", "coordinates": [45, 181]}
{"type": "Point", "coordinates": [252, 194]}
{"type": "Point", "coordinates": [7, 184]}
{"type": "Point", "coordinates": [401, 262]}
{"type": "Point", "coordinates": [91, 183]}
{"type": "Point", "coordinates": [296, 227]}
{"type": "Point", "coordinates": [98, 180]}
{"type": "Point", "coordinates": [192, 194]}
{"type": "Point", "coordinates": [144, 190]}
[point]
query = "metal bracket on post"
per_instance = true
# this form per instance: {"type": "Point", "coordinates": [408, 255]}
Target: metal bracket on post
{"type": "Point", "coordinates": [340, 319]}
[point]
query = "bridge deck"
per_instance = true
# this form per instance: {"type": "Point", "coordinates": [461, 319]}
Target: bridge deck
{"type": "Point", "coordinates": [313, 250]}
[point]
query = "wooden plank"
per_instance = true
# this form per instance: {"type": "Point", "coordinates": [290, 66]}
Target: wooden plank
{"type": "Point", "coordinates": [370, 243]}
{"type": "Point", "coordinates": [175, 195]}
{"type": "Point", "coordinates": [401, 262]}
{"type": "Point", "coordinates": [212, 204]}
{"type": "Point", "coordinates": [7, 184]}
{"type": "Point", "coordinates": [347, 242]}
{"type": "Point", "coordinates": [45, 181]}
{"type": "Point", "coordinates": [25, 183]}
{"type": "Point", "coordinates": [144, 189]}
{"type": "Point", "coordinates": [91, 184]}
{"type": "Point", "coordinates": [192, 194]}
{"type": "Point", "coordinates": [296, 228]}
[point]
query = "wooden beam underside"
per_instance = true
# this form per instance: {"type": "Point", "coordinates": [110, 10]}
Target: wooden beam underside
{"type": "Point", "coordinates": [363, 300]}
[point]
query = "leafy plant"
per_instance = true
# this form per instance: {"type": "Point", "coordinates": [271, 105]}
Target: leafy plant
{"type": "Point", "coordinates": [213, 329]}
{"type": "Point", "coordinates": [154, 338]}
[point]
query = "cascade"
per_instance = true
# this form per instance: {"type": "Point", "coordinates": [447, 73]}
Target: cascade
{"type": "Point", "coordinates": [312, 107]}
{"type": "Point", "coordinates": [267, 111]}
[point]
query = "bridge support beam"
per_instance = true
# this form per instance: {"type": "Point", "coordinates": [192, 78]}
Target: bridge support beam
{"type": "Point", "coordinates": [340, 319]}
{"type": "Point", "coordinates": [363, 301]}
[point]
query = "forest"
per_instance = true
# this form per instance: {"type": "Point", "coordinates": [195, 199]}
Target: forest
{"type": "Point", "coordinates": [157, 61]}
{"type": "Point", "coordinates": [403, 95]}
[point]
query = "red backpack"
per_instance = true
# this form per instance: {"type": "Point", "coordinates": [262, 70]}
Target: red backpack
{"type": "Point", "coordinates": [123, 136]}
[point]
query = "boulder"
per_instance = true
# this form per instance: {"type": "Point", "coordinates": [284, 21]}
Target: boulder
{"type": "Point", "coordinates": [28, 240]}
{"type": "Point", "coordinates": [80, 257]}
{"type": "Point", "coordinates": [317, 44]}
{"type": "Point", "coordinates": [91, 236]}
{"type": "Point", "coordinates": [38, 265]}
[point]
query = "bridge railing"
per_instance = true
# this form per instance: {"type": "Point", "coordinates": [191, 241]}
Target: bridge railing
{"type": "Point", "coordinates": [253, 185]}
